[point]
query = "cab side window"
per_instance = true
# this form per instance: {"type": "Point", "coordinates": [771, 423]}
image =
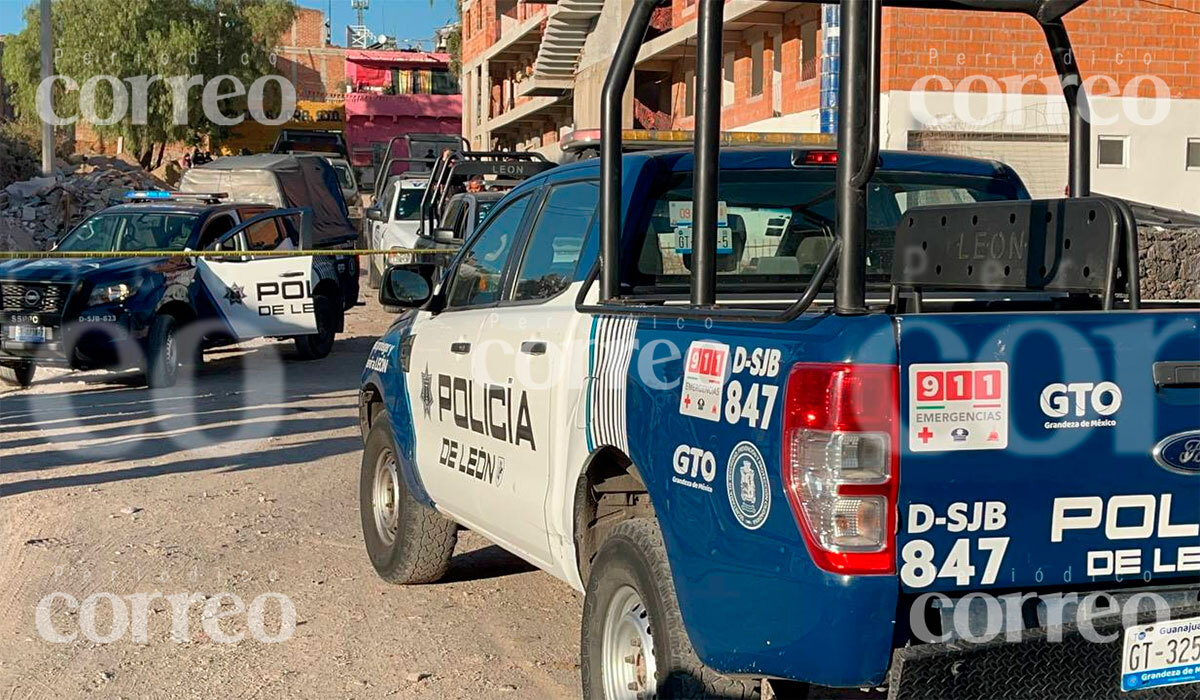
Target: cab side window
{"type": "Point", "coordinates": [477, 278]}
{"type": "Point", "coordinates": [388, 195]}
{"type": "Point", "coordinates": [217, 226]}
{"type": "Point", "coordinates": [265, 235]}
{"type": "Point", "coordinates": [552, 252]}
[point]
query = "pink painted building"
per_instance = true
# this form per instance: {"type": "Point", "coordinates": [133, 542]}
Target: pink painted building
{"type": "Point", "coordinates": [409, 94]}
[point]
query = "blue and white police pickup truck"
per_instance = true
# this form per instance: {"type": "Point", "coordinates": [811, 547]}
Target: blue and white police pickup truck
{"type": "Point", "coordinates": [142, 301]}
{"type": "Point", "coordinates": [812, 418]}
{"type": "Point", "coordinates": [777, 497]}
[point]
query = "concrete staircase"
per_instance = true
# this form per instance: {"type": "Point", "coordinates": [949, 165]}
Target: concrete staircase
{"type": "Point", "coordinates": [567, 29]}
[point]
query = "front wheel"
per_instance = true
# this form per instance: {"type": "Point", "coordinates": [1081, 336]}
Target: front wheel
{"type": "Point", "coordinates": [162, 362]}
{"type": "Point", "coordinates": [374, 276]}
{"type": "Point", "coordinates": [633, 641]}
{"type": "Point", "coordinates": [20, 375]}
{"type": "Point", "coordinates": [407, 542]}
{"type": "Point", "coordinates": [329, 319]}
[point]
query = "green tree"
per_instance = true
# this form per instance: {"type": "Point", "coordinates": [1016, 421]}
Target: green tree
{"type": "Point", "coordinates": [454, 41]}
{"type": "Point", "coordinates": [126, 39]}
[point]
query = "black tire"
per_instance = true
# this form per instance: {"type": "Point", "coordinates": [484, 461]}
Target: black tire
{"type": "Point", "coordinates": [162, 350]}
{"type": "Point", "coordinates": [374, 278]}
{"type": "Point", "coordinates": [633, 557]}
{"type": "Point", "coordinates": [329, 321]}
{"type": "Point", "coordinates": [423, 541]}
{"type": "Point", "coordinates": [18, 375]}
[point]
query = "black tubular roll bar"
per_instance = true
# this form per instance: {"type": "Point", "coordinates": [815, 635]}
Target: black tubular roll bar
{"type": "Point", "coordinates": [858, 147]}
{"type": "Point", "coordinates": [452, 167]}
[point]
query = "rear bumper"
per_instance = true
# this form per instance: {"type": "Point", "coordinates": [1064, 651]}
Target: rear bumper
{"type": "Point", "coordinates": [1032, 669]}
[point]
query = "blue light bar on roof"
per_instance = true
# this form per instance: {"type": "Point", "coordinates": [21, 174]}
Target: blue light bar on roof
{"type": "Point", "coordinates": [165, 196]}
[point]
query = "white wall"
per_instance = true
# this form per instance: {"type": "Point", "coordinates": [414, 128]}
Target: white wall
{"type": "Point", "coordinates": [1156, 172]}
{"type": "Point", "coordinates": [796, 123]}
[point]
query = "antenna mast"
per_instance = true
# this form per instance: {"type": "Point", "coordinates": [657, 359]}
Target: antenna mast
{"type": "Point", "coordinates": [360, 36]}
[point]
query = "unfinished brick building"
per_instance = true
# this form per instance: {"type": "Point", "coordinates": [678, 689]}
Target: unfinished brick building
{"type": "Point", "coordinates": [978, 84]}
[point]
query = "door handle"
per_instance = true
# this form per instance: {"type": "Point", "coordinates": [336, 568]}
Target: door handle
{"type": "Point", "coordinates": [460, 348]}
{"type": "Point", "coordinates": [533, 347]}
{"type": "Point", "coordinates": [1176, 375]}
{"type": "Point", "coordinates": [292, 274]}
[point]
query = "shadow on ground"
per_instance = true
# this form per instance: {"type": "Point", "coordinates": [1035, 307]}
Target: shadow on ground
{"type": "Point", "coordinates": [237, 395]}
{"type": "Point", "coordinates": [484, 563]}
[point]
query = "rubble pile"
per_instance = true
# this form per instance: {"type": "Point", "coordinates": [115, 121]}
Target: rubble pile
{"type": "Point", "coordinates": [1170, 262]}
{"type": "Point", "coordinates": [35, 213]}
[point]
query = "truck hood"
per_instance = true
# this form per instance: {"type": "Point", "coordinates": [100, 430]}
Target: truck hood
{"type": "Point", "coordinates": [401, 234]}
{"type": "Point", "coordinates": [63, 271]}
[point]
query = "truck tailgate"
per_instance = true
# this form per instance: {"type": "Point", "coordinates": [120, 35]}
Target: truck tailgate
{"type": "Point", "coordinates": [1028, 449]}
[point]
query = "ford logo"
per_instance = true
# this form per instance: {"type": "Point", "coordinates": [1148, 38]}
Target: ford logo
{"type": "Point", "coordinates": [1180, 453]}
{"type": "Point", "coordinates": [33, 298]}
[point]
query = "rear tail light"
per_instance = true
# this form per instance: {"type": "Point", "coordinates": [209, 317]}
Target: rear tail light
{"type": "Point", "coordinates": [841, 463]}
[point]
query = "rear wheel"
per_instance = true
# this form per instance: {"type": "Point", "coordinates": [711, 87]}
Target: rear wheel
{"type": "Point", "coordinates": [633, 642]}
{"type": "Point", "coordinates": [18, 374]}
{"type": "Point", "coordinates": [162, 362]}
{"type": "Point", "coordinates": [407, 542]}
{"type": "Point", "coordinates": [329, 319]}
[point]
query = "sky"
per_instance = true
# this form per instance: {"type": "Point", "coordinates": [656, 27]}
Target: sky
{"type": "Point", "coordinates": [404, 19]}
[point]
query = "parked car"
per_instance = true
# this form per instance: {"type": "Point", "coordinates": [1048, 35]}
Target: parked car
{"type": "Point", "coordinates": [116, 311]}
{"type": "Point", "coordinates": [465, 211]}
{"type": "Point", "coordinates": [310, 141]}
{"type": "Point", "coordinates": [394, 223]}
{"type": "Point", "coordinates": [348, 182]}
{"type": "Point", "coordinates": [286, 181]}
{"type": "Point", "coordinates": [688, 466]}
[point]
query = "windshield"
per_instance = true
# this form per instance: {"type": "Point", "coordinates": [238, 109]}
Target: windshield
{"type": "Point", "coordinates": [775, 227]}
{"type": "Point", "coordinates": [130, 231]}
{"type": "Point", "coordinates": [408, 205]}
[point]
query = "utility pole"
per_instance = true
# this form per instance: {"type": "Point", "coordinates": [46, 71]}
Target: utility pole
{"type": "Point", "coordinates": [47, 73]}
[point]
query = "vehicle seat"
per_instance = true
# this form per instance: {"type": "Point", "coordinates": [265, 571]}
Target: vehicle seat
{"type": "Point", "coordinates": [141, 237]}
{"type": "Point", "coordinates": [777, 266]}
{"type": "Point", "coordinates": [811, 253]}
{"type": "Point", "coordinates": [174, 234]}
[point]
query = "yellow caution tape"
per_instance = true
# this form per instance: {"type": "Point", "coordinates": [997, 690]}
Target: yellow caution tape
{"type": "Point", "coordinates": [68, 255]}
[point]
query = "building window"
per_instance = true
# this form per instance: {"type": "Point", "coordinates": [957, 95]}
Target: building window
{"type": "Point", "coordinates": [1112, 152]}
{"type": "Point", "coordinates": [756, 68]}
{"type": "Point", "coordinates": [808, 51]}
{"type": "Point", "coordinates": [727, 94]}
{"type": "Point", "coordinates": [1193, 154]}
{"type": "Point", "coordinates": [689, 93]}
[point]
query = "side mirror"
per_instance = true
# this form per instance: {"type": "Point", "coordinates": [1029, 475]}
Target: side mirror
{"type": "Point", "coordinates": [375, 214]}
{"type": "Point", "coordinates": [407, 286]}
{"type": "Point", "coordinates": [446, 236]}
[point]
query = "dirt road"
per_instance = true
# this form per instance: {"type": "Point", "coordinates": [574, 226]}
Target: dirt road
{"type": "Point", "coordinates": [243, 482]}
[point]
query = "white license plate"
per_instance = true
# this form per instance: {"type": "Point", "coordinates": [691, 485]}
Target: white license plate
{"type": "Point", "coordinates": [683, 241]}
{"type": "Point", "coordinates": [1165, 653]}
{"type": "Point", "coordinates": [29, 334]}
